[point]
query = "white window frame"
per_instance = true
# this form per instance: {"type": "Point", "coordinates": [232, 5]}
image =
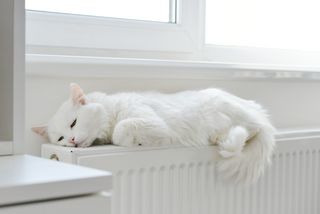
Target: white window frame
{"type": "Point", "coordinates": [63, 32]}
{"type": "Point", "coordinates": [75, 31]}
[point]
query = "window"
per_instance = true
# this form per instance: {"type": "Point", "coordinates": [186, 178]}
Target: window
{"type": "Point", "coordinates": [268, 32]}
{"type": "Point", "coordinates": [149, 10]}
{"type": "Point", "coordinates": [282, 24]}
{"type": "Point", "coordinates": [231, 31]}
{"type": "Point", "coordinates": [164, 26]}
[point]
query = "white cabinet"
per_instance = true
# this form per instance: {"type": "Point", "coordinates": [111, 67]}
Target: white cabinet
{"type": "Point", "coordinates": [38, 186]}
{"type": "Point", "coordinates": [93, 204]}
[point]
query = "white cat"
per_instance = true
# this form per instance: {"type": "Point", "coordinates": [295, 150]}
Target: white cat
{"type": "Point", "coordinates": [239, 127]}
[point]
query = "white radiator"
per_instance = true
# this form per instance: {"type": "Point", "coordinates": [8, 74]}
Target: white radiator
{"type": "Point", "coordinates": [184, 180]}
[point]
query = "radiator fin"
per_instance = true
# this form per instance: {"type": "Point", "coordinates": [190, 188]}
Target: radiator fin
{"type": "Point", "coordinates": [291, 185]}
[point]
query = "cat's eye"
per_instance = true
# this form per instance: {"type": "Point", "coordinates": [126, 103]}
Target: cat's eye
{"type": "Point", "coordinates": [61, 138]}
{"type": "Point", "coordinates": [73, 123]}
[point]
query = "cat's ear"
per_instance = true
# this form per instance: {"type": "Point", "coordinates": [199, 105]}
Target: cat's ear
{"type": "Point", "coordinates": [77, 95]}
{"type": "Point", "coordinates": [41, 130]}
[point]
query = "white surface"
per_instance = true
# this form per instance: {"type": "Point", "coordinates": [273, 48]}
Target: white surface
{"type": "Point", "coordinates": [185, 180]}
{"type": "Point", "coordinates": [26, 179]}
{"type": "Point", "coordinates": [95, 204]}
{"type": "Point", "coordinates": [213, 69]}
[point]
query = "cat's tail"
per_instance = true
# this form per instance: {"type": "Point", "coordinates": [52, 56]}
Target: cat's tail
{"type": "Point", "coordinates": [244, 157]}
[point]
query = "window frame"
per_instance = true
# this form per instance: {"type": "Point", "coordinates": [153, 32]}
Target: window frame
{"type": "Point", "coordinates": [183, 40]}
{"type": "Point", "coordinates": [44, 30]}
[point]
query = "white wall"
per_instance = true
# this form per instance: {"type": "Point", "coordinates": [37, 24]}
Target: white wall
{"type": "Point", "coordinates": [292, 103]}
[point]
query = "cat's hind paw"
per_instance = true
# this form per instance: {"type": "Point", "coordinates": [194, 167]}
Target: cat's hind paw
{"type": "Point", "coordinates": [234, 143]}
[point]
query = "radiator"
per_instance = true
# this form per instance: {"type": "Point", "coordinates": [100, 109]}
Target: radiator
{"type": "Point", "coordinates": [179, 180]}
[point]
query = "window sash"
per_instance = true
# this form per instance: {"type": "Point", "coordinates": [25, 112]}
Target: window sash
{"type": "Point", "coordinates": [76, 31]}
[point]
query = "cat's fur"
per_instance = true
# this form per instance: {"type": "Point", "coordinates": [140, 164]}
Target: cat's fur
{"type": "Point", "coordinates": [239, 127]}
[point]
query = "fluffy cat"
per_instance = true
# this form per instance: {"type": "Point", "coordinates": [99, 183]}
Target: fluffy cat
{"type": "Point", "coordinates": [240, 128]}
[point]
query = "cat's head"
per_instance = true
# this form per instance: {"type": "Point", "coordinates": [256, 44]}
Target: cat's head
{"type": "Point", "coordinates": [78, 122]}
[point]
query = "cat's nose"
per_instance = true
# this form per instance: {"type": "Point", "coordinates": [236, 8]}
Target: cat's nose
{"type": "Point", "coordinates": [72, 140]}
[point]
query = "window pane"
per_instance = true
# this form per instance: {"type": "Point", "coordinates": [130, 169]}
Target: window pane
{"type": "Point", "coordinates": [151, 10]}
{"type": "Point", "coordinates": [289, 24]}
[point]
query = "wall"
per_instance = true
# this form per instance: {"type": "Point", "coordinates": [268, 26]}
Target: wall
{"type": "Point", "coordinates": [6, 69]}
{"type": "Point", "coordinates": [292, 102]}
{"type": "Point", "coordinates": [11, 75]}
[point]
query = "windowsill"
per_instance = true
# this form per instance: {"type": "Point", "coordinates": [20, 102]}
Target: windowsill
{"type": "Point", "coordinates": [115, 67]}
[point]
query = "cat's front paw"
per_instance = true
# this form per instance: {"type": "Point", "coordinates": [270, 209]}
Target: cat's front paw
{"type": "Point", "coordinates": [123, 134]}
{"type": "Point", "coordinates": [140, 132]}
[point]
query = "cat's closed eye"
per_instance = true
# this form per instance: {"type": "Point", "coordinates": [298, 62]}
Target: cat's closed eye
{"type": "Point", "coordinates": [73, 123]}
{"type": "Point", "coordinates": [61, 138]}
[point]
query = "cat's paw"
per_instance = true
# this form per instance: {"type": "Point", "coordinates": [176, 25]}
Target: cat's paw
{"type": "Point", "coordinates": [234, 143]}
{"type": "Point", "coordinates": [123, 134]}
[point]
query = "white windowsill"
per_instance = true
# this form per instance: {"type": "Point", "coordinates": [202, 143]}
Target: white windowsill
{"type": "Point", "coordinates": [190, 69]}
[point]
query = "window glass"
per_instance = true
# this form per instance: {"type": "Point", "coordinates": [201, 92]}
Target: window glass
{"type": "Point", "coordinates": [287, 24]}
{"type": "Point", "coordinates": [150, 10]}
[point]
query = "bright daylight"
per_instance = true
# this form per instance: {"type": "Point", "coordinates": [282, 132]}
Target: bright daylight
{"type": "Point", "coordinates": [159, 107]}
